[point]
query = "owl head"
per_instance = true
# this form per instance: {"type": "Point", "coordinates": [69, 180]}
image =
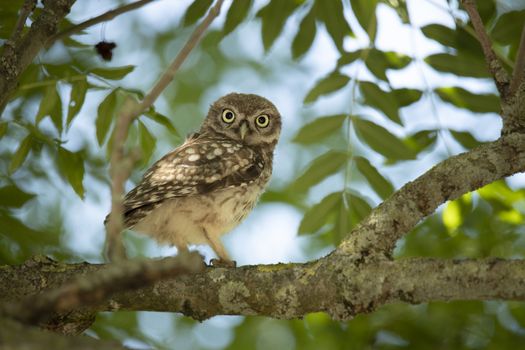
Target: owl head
{"type": "Point", "coordinates": [246, 118]}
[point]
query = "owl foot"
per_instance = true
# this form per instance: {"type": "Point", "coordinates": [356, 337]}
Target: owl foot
{"type": "Point", "coordinates": [223, 263]}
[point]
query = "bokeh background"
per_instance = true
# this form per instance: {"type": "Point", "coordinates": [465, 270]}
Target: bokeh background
{"type": "Point", "coordinates": [400, 86]}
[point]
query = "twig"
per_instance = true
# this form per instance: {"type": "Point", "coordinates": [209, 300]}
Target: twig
{"type": "Point", "coordinates": [519, 68]}
{"type": "Point", "coordinates": [25, 11]}
{"type": "Point", "coordinates": [118, 163]}
{"type": "Point", "coordinates": [496, 69]}
{"type": "Point", "coordinates": [91, 289]}
{"type": "Point", "coordinates": [95, 20]}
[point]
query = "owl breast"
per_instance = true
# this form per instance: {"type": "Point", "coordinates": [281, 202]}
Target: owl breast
{"type": "Point", "coordinates": [197, 219]}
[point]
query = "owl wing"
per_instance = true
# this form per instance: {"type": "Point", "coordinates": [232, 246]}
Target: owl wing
{"type": "Point", "coordinates": [197, 167]}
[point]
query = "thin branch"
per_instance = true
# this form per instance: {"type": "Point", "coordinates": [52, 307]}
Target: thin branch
{"type": "Point", "coordinates": [496, 69]}
{"type": "Point", "coordinates": [519, 69]}
{"type": "Point", "coordinates": [93, 288]}
{"type": "Point", "coordinates": [120, 168]}
{"type": "Point", "coordinates": [96, 20]}
{"type": "Point", "coordinates": [25, 11]}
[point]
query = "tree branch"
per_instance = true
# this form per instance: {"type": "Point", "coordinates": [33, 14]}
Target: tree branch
{"type": "Point", "coordinates": [518, 77]}
{"type": "Point", "coordinates": [378, 233]}
{"type": "Point", "coordinates": [25, 11]}
{"type": "Point", "coordinates": [337, 284]}
{"type": "Point", "coordinates": [120, 169]}
{"type": "Point", "coordinates": [496, 69]}
{"type": "Point", "coordinates": [16, 56]}
{"type": "Point", "coordinates": [96, 20]}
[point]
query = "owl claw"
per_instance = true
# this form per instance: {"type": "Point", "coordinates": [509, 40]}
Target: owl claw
{"type": "Point", "coordinates": [223, 263]}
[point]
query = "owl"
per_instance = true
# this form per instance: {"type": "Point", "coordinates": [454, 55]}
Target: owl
{"type": "Point", "coordinates": [209, 184]}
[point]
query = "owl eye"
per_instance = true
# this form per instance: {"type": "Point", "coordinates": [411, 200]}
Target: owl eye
{"type": "Point", "coordinates": [262, 121]}
{"type": "Point", "coordinates": [228, 116]}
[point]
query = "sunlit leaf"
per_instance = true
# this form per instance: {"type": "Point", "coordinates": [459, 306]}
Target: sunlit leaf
{"type": "Point", "coordinates": [465, 139]}
{"type": "Point", "coordinates": [379, 99]}
{"type": "Point", "coordinates": [196, 10]}
{"type": "Point", "coordinates": [236, 14]}
{"type": "Point", "coordinates": [319, 129]}
{"type": "Point", "coordinates": [317, 216]}
{"type": "Point", "coordinates": [331, 83]}
{"type": "Point", "coordinates": [305, 35]}
{"type": "Point", "coordinates": [147, 143]}
{"type": "Point", "coordinates": [381, 140]}
{"type": "Point", "coordinates": [452, 218]}
{"type": "Point", "coordinates": [12, 196]}
{"type": "Point", "coordinates": [364, 11]}
{"type": "Point", "coordinates": [21, 154]}
{"type": "Point", "coordinates": [459, 97]}
{"type": "Point", "coordinates": [76, 99]}
{"type": "Point", "coordinates": [114, 73]}
{"type": "Point", "coordinates": [71, 167]}
{"type": "Point", "coordinates": [319, 169]}
{"type": "Point", "coordinates": [460, 64]}
{"type": "Point", "coordinates": [105, 115]}
{"type": "Point", "coordinates": [381, 186]}
{"type": "Point", "coordinates": [51, 105]}
{"type": "Point", "coordinates": [273, 17]}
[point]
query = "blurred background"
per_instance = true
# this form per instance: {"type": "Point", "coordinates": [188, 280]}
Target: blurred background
{"type": "Point", "coordinates": [372, 94]}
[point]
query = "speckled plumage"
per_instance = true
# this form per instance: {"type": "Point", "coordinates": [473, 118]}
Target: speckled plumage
{"type": "Point", "coordinates": [207, 186]}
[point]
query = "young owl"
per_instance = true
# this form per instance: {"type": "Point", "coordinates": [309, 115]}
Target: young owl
{"type": "Point", "coordinates": [209, 184]}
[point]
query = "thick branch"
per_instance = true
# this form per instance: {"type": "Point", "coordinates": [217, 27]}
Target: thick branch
{"type": "Point", "coordinates": [120, 168]}
{"type": "Point", "coordinates": [16, 56]}
{"type": "Point", "coordinates": [96, 20]}
{"type": "Point", "coordinates": [496, 69]}
{"type": "Point", "coordinates": [378, 233]}
{"type": "Point", "coordinates": [339, 285]}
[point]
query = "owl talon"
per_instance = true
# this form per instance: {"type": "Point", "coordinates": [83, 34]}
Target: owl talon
{"type": "Point", "coordinates": [223, 263]}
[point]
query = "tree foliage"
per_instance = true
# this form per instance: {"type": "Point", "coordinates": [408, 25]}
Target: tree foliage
{"type": "Point", "coordinates": [363, 130]}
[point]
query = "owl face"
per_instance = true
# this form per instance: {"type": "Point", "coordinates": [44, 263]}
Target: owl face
{"type": "Point", "coordinates": [246, 118]}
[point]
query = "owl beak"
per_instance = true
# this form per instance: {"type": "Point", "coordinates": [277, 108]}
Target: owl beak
{"type": "Point", "coordinates": [243, 130]}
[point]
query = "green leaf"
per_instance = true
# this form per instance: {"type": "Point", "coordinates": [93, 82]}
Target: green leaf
{"type": "Point", "coordinates": [458, 38]}
{"type": "Point", "coordinates": [331, 83]}
{"type": "Point", "coordinates": [460, 64]}
{"type": "Point", "coordinates": [331, 14]}
{"type": "Point", "coordinates": [274, 15]}
{"type": "Point", "coordinates": [319, 169]}
{"type": "Point", "coordinates": [508, 27]}
{"type": "Point", "coordinates": [162, 120]}
{"type": "Point", "coordinates": [236, 14]}
{"type": "Point", "coordinates": [465, 139]}
{"type": "Point", "coordinates": [3, 129]}
{"type": "Point", "coordinates": [381, 100]}
{"type": "Point", "coordinates": [196, 10]}
{"type": "Point", "coordinates": [147, 143]}
{"type": "Point", "coordinates": [12, 196]}
{"type": "Point", "coordinates": [319, 129]}
{"type": "Point", "coordinates": [400, 6]}
{"type": "Point", "coordinates": [105, 115]}
{"type": "Point", "coordinates": [381, 186]}
{"type": "Point", "coordinates": [479, 103]}
{"type": "Point", "coordinates": [21, 154]}
{"type": "Point", "coordinates": [114, 73]}
{"type": "Point", "coordinates": [76, 99]}
{"type": "Point", "coordinates": [51, 105]}
{"type": "Point", "coordinates": [305, 35]}
{"type": "Point", "coordinates": [348, 57]}
{"type": "Point", "coordinates": [382, 141]}
{"type": "Point", "coordinates": [358, 208]}
{"type": "Point", "coordinates": [405, 96]}
{"type": "Point", "coordinates": [421, 140]}
{"type": "Point", "coordinates": [379, 61]}
{"type": "Point", "coordinates": [365, 12]}
{"type": "Point", "coordinates": [71, 167]}
{"type": "Point", "coordinates": [317, 216]}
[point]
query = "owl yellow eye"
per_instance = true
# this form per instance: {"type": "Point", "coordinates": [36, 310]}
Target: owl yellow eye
{"type": "Point", "coordinates": [228, 116]}
{"type": "Point", "coordinates": [262, 121]}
